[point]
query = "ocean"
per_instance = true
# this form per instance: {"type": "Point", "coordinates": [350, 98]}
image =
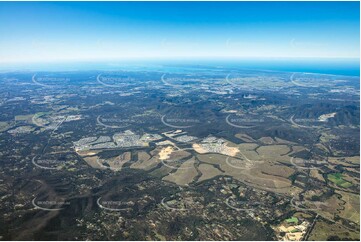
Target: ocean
{"type": "Point", "coordinates": [344, 67]}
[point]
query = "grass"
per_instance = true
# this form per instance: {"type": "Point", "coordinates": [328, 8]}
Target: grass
{"type": "Point", "coordinates": [208, 172]}
{"type": "Point", "coordinates": [337, 178]}
{"type": "Point", "coordinates": [184, 174]}
{"type": "Point", "coordinates": [23, 117]}
{"type": "Point", "coordinates": [4, 126]}
{"type": "Point", "coordinates": [323, 231]}
{"type": "Point", "coordinates": [292, 220]}
{"type": "Point", "coordinates": [352, 207]}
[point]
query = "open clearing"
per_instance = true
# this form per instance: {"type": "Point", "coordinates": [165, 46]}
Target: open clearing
{"type": "Point", "coordinates": [184, 175]}
{"type": "Point", "coordinates": [323, 230]}
{"type": "Point", "coordinates": [208, 172]}
{"type": "Point", "coordinates": [352, 206]}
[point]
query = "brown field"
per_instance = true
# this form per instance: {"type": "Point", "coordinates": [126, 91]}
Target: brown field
{"type": "Point", "coordinates": [208, 172]}
{"type": "Point", "coordinates": [344, 160]}
{"type": "Point", "coordinates": [273, 152]}
{"type": "Point", "coordinates": [142, 156]}
{"type": "Point", "coordinates": [247, 151]}
{"type": "Point", "coordinates": [322, 231]}
{"type": "Point", "coordinates": [27, 117]}
{"type": "Point", "coordinates": [352, 207]}
{"type": "Point", "coordinates": [116, 163]}
{"type": "Point", "coordinates": [321, 147]}
{"type": "Point", "coordinates": [184, 175]}
{"type": "Point", "coordinates": [267, 141]}
{"type": "Point", "coordinates": [4, 126]}
{"type": "Point", "coordinates": [283, 141]}
{"type": "Point", "coordinates": [245, 138]}
{"type": "Point", "coordinates": [92, 161]}
{"type": "Point", "coordinates": [333, 205]}
{"type": "Point", "coordinates": [161, 171]}
{"type": "Point", "coordinates": [146, 164]}
{"type": "Point", "coordinates": [268, 175]}
{"type": "Point", "coordinates": [316, 174]}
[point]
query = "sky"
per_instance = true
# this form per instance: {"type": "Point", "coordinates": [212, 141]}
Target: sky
{"type": "Point", "coordinates": [72, 31]}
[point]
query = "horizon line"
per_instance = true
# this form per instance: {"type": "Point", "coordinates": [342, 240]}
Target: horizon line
{"type": "Point", "coordinates": [183, 58]}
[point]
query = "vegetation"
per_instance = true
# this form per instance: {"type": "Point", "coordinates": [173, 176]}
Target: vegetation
{"type": "Point", "coordinates": [337, 178]}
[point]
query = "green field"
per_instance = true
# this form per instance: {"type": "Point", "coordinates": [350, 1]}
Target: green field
{"type": "Point", "coordinates": [4, 126]}
{"type": "Point", "coordinates": [292, 220]}
{"type": "Point", "coordinates": [338, 180]}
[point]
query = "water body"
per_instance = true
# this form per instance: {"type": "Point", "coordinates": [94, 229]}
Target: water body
{"type": "Point", "coordinates": [343, 67]}
{"type": "Point", "coordinates": [333, 67]}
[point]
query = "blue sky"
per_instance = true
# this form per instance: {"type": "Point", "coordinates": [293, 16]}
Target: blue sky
{"type": "Point", "coordinates": [61, 31]}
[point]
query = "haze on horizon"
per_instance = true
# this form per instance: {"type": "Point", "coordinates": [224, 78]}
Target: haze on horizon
{"type": "Point", "coordinates": [92, 31]}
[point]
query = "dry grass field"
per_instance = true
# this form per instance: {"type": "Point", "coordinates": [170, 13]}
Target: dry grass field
{"type": "Point", "coordinates": [184, 175]}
